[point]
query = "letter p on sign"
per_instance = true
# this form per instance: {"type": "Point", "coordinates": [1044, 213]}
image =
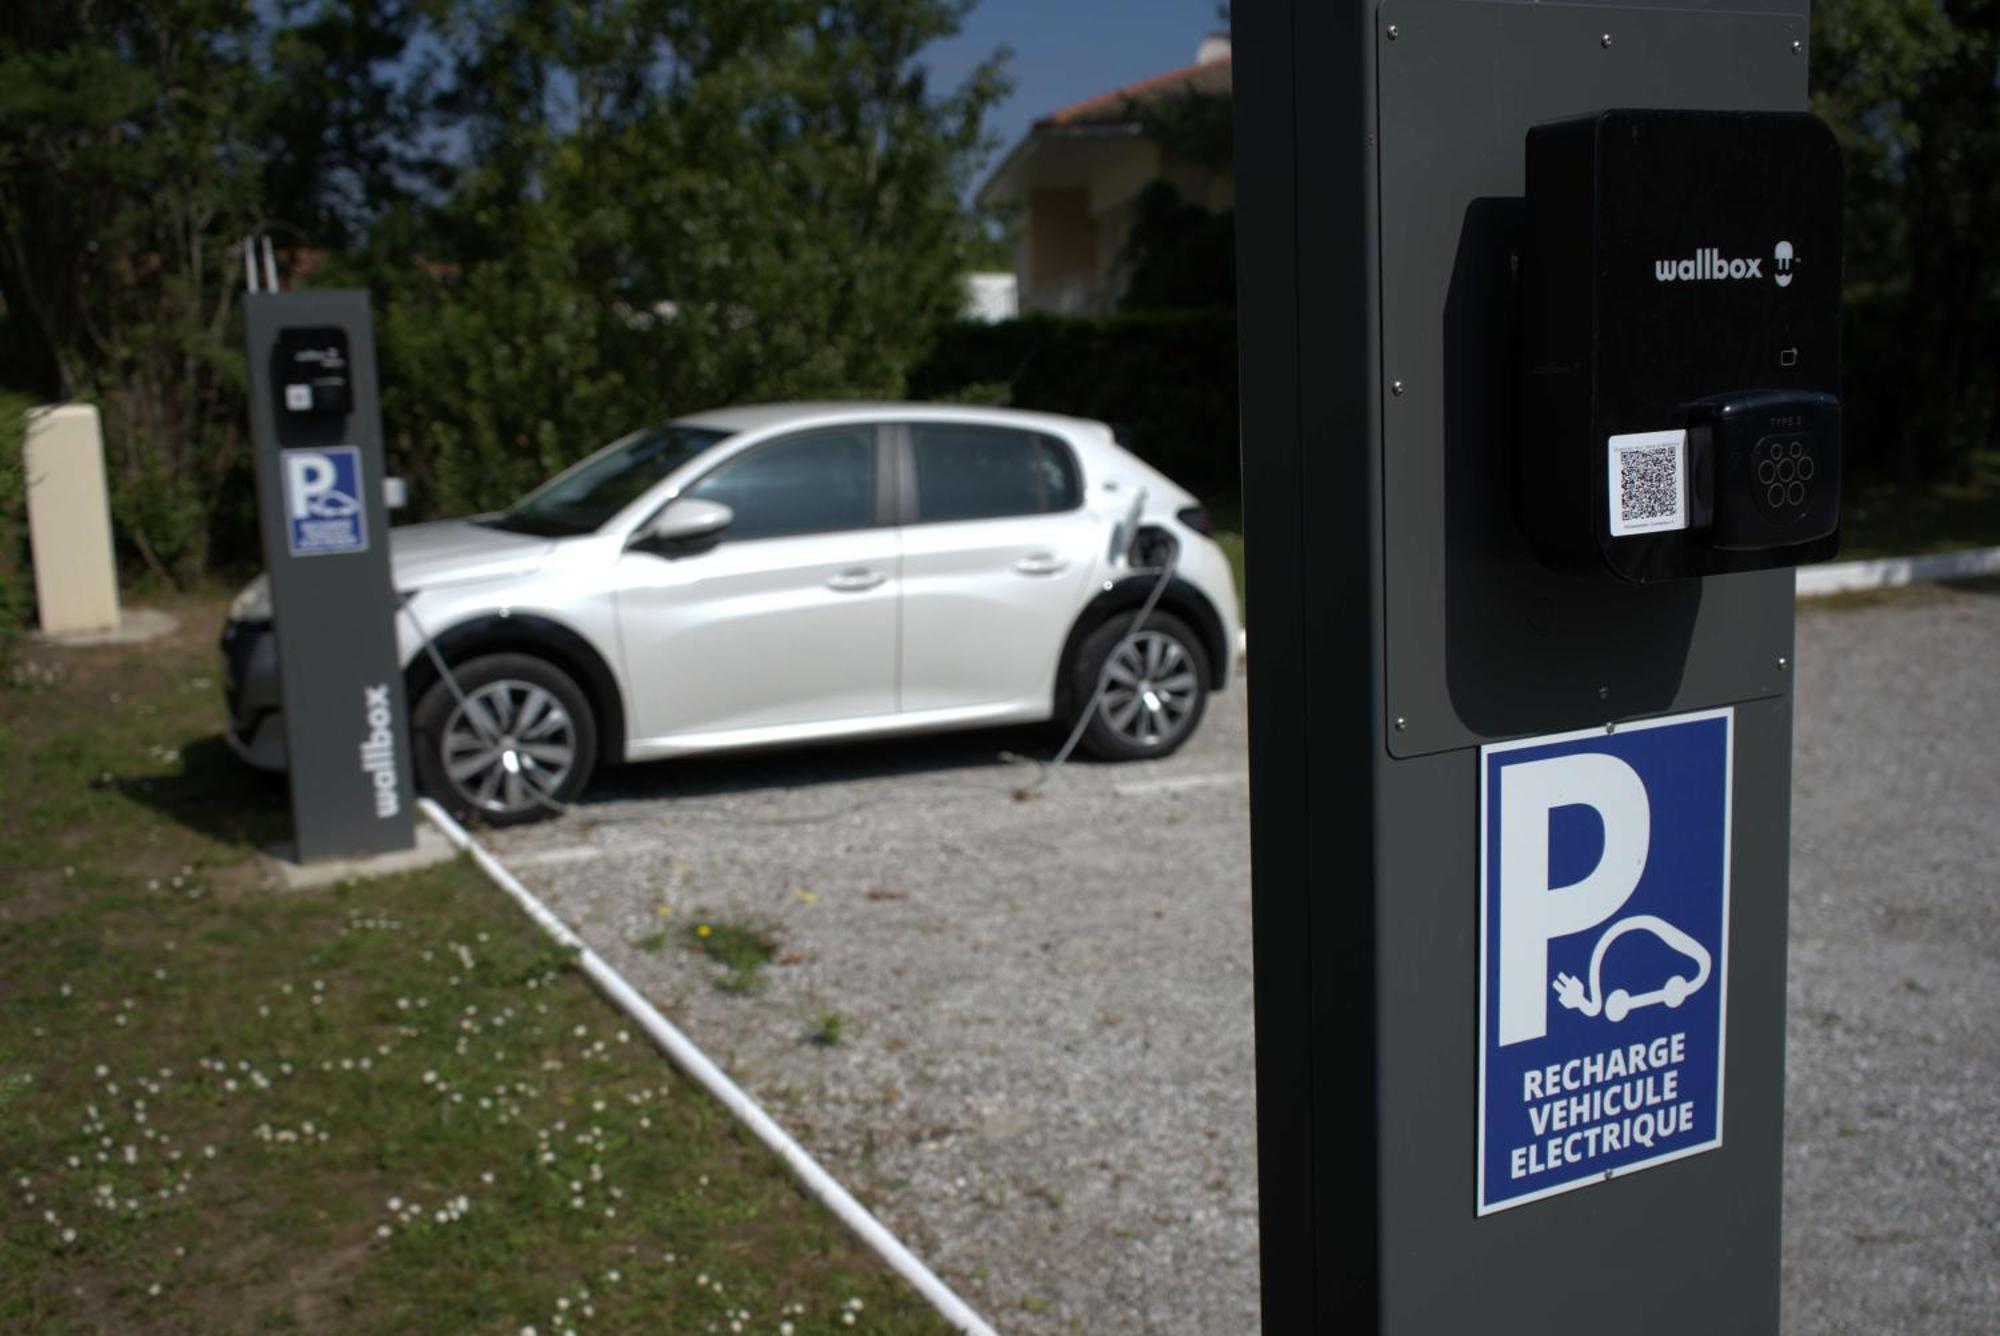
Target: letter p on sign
{"type": "Point", "coordinates": [1535, 911]}
{"type": "Point", "coordinates": [308, 477]}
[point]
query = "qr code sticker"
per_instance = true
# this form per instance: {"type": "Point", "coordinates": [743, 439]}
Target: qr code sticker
{"type": "Point", "coordinates": [1648, 482]}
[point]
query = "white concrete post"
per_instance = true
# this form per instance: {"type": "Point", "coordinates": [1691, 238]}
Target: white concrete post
{"type": "Point", "coordinates": [69, 521]}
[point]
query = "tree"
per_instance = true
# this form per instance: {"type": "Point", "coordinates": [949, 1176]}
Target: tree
{"type": "Point", "coordinates": [724, 203]}
{"type": "Point", "coordinates": [574, 215]}
{"type": "Point", "coordinates": [827, 268]}
{"type": "Point", "coordinates": [348, 130]}
{"type": "Point", "coordinates": [496, 377]}
{"type": "Point", "coordinates": [127, 172]}
{"type": "Point", "coordinates": [1910, 87]}
{"type": "Point", "coordinates": [140, 142]}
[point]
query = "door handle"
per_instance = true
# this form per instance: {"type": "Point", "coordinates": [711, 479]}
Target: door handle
{"type": "Point", "coordinates": [1041, 563]}
{"type": "Point", "coordinates": [856, 581]}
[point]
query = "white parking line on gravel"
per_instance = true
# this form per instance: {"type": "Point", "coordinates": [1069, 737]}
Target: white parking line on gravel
{"type": "Point", "coordinates": [1893, 572]}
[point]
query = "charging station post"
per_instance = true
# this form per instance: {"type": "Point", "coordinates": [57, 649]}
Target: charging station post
{"type": "Point", "coordinates": [1539, 372]}
{"type": "Point", "coordinates": [317, 427]}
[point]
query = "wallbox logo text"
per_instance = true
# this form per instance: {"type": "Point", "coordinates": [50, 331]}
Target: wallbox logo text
{"type": "Point", "coordinates": [1710, 265]}
{"type": "Point", "coordinates": [1706, 264]}
{"type": "Point", "coordinates": [378, 752]}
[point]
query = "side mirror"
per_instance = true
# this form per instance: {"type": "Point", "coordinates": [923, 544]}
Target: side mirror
{"type": "Point", "coordinates": [686, 522]}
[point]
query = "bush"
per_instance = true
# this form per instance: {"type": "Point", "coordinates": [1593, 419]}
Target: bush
{"type": "Point", "coordinates": [1893, 426]}
{"type": "Point", "coordinates": [1167, 381]}
{"type": "Point", "coordinates": [494, 382]}
{"type": "Point", "coordinates": [16, 589]}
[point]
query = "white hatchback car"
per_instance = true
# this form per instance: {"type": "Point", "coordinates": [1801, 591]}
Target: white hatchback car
{"type": "Point", "coordinates": [783, 574]}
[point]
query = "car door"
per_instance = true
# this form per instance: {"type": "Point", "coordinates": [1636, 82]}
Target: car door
{"type": "Point", "coordinates": [997, 548]}
{"type": "Point", "coordinates": [789, 620]}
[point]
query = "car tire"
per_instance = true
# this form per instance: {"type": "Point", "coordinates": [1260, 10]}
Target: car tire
{"type": "Point", "coordinates": [515, 777]}
{"type": "Point", "coordinates": [1156, 686]}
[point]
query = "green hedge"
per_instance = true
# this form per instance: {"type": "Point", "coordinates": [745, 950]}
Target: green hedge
{"type": "Point", "coordinates": [1166, 381]}
{"type": "Point", "coordinates": [1898, 421]}
{"type": "Point", "coordinates": [16, 580]}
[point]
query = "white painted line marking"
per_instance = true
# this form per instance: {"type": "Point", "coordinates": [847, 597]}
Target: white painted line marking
{"type": "Point", "coordinates": [1179, 784]}
{"type": "Point", "coordinates": [1844, 577]}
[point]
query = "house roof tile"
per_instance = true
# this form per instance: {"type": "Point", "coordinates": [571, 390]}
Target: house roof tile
{"type": "Point", "coordinates": [1114, 107]}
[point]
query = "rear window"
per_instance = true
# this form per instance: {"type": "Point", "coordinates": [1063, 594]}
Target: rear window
{"type": "Point", "coordinates": [976, 473]}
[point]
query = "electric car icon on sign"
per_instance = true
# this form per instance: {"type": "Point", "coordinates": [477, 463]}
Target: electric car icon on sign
{"type": "Point", "coordinates": [1571, 992]}
{"type": "Point", "coordinates": [332, 506]}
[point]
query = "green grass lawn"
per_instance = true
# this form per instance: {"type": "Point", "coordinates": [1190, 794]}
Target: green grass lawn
{"type": "Point", "coordinates": [389, 1107]}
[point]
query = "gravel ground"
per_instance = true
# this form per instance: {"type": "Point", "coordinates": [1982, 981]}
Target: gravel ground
{"type": "Point", "coordinates": [1043, 1081]}
{"type": "Point", "coordinates": [1892, 1133]}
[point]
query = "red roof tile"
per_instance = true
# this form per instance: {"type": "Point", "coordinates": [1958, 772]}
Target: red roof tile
{"type": "Point", "coordinates": [1212, 78]}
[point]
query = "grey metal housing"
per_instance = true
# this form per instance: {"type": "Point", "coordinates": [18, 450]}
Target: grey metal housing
{"type": "Point", "coordinates": [1402, 622]}
{"type": "Point", "coordinates": [334, 612]}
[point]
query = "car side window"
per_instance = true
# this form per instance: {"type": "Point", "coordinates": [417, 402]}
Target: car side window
{"type": "Point", "coordinates": [814, 482]}
{"type": "Point", "coordinates": [973, 472]}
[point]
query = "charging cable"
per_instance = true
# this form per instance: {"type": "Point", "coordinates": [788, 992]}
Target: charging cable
{"type": "Point", "coordinates": [1047, 769]}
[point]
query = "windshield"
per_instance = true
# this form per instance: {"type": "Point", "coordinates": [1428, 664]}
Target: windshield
{"type": "Point", "coordinates": [582, 498]}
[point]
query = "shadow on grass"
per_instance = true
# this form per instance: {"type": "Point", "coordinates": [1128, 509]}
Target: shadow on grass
{"type": "Point", "coordinates": [217, 796]}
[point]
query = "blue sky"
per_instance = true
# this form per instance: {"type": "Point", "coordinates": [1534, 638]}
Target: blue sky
{"type": "Point", "coordinates": [1067, 50]}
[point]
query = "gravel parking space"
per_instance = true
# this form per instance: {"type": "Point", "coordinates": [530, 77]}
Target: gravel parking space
{"type": "Point", "coordinates": [1892, 1133]}
{"type": "Point", "coordinates": [1043, 1077]}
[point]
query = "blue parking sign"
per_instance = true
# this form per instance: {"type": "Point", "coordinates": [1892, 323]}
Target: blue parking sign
{"type": "Point", "coordinates": [1603, 958]}
{"type": "Point", "coordinates": [323, 510]}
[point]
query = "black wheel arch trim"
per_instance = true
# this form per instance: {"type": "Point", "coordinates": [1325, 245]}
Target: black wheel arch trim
{"type": "Point", "coordinates": [526, 633]}
{"type": "Point", "coordinates": [1181, 598]}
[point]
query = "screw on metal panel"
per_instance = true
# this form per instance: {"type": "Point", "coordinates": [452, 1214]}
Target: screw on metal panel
{"type": "Point", "coordinates": [1394, 32]}
{"type": "Point", "coordinates": [1783, 663]}
{"type": "Point", "coordinates": [1401, 723]}
{"type": "Point", "coordinates": [1604, 40]}
{"type": "Point", "coordinates": [1395, 387]}
{"type": "Point", "coordinates": [1798, 48]}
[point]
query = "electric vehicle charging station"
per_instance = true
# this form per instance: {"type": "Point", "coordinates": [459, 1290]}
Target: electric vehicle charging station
{"type": "Point", "coordinates": [1539, 370]}
{"type": "Point", "coordinates": [317, 426]}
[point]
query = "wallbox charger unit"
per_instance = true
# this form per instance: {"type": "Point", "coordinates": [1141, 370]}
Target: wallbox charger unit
{"type": "Point", "coordinates": [1681, 343]}
{"type": "Point", "coordinates": [314, 371]}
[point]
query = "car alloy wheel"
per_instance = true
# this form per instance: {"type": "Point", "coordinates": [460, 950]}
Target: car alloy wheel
{"type": "Point", "coordinates": [1151, 690]}
{"type": "Point", "coordinates": [508, 747]}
